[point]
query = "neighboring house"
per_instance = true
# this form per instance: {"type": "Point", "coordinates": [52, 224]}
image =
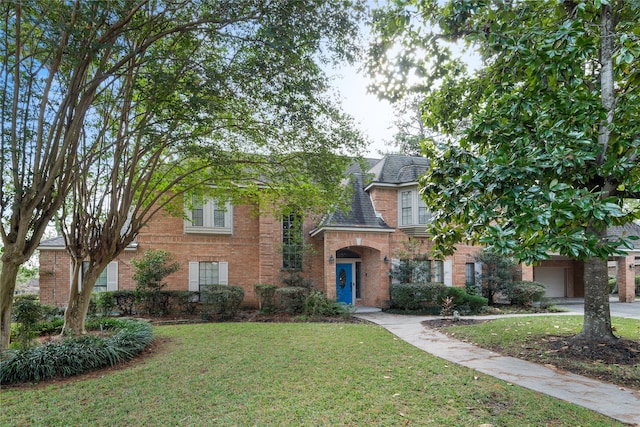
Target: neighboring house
{"type": "Point", "coordinates": [564, 276]}
{"type": "Point", "coordinates": [348, 255]}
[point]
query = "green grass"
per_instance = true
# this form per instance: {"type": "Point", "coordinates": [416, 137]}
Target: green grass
{"type": "Point", "coordinates": [525, 337]}
{"type": "Point", "coordinates": [309, 374]}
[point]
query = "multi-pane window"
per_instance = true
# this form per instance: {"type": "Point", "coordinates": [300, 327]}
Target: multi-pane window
{"type": "Point", "coordinates": [213, 217]}
{"type": "Point", "coordinates": [438, 271]}
{"type": "Point", "coordinates": [108, 279]}
{"type": "Point", "coordinates": [197, 215]}
{"type": "Point", "coordinates": [208, 274]}
{"type": "Point", "coordinates": [292, 242]}
{"type": "Point", "coordinates": [413, 210]}
{"type": "Point", "coordinates": [406, 208]}
{"type": "Point", "coordinates": [219, 214]}
{"type": "Point", "coordinates": [424, 216]}
{"type": "Point", "coordinates": [470, 273]}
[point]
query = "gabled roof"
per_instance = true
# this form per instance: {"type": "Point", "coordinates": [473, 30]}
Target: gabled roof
{"type": "Point", "coordinates": [392, 170]}
{"type": "Point", "coordinates": [398, 169]}
{"type": "Point", "coordinates": [360, 213]}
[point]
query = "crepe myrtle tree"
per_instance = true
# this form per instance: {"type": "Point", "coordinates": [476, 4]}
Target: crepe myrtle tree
{"type": "Point", "coordinates": [198, 121]}
{"type": "Point", "coordinates": [112, 110]}
{"type": "Point", "coordinates": [549, 154]}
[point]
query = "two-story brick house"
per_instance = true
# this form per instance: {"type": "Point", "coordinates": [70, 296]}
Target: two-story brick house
{"type": "Point", "coordinates": [347, 254]}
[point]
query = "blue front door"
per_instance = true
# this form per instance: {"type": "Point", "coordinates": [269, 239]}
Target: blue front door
{"type": "Point", "coordinates": [344, 283]}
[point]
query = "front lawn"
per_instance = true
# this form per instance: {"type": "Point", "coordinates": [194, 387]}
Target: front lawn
{"type": "Point", "coordinates": [281, 374]}
{"type": "Point", "coordinates": [547, 340]}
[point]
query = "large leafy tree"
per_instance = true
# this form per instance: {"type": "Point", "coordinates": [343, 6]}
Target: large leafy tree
{"type": "Point", "coordinates": [550, 152]}
{"type": "Point", "coordinates": [110, 107]}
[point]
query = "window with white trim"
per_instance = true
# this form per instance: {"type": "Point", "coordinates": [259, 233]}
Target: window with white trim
{"type": "Point", "coordinates": [203, 273]}
{"type": "Point", "coordinates": [212, 217]}
{"type": "Point", "coordinates": [108, 279]}
{"type": "Point", "coordinates": [406, 208]}
{"type": "Point", "coordinates": [438, 271]}
{"type": "Point", "coordinates": [470, 273]}
{"type": "Point", "coordinates": [412, 209]}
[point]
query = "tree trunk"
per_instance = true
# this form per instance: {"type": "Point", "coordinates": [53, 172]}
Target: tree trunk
{"type": "Point", "coordinates": [597, 316]}
{"type": "Point", "coordinates": [79, 297]}
{"type": "Point", "coordinates": [76, 313]}
{"type": "Point", "coordinates": [8, 277]}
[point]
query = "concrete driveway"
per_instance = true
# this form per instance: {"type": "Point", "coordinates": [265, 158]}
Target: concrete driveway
{"type": "Point", "coordinates": [618, 309]}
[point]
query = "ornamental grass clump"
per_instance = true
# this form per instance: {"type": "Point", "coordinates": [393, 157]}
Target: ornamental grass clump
{"type": "Point", "coordinates": [76, 355]}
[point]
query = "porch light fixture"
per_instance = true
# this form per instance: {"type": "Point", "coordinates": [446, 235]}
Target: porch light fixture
{"type": "Point", "coordinates": [632, 266]}
{"type": "Point", "coordinates": [386, 260]}
{"type": "Point", "coordinates": [331, 259]}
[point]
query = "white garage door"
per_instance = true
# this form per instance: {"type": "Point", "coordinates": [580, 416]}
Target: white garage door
{"type": "Point", "coordinates": [554, 278]}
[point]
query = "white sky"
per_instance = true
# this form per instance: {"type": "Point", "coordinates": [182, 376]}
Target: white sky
{"type": "Point", "coordinates": [374, 116]}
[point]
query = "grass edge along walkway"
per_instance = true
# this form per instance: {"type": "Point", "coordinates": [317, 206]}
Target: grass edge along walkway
{"type": "Point", "coordinates": [616, 402]}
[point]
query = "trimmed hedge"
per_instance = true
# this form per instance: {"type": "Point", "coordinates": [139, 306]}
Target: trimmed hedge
{"type": "Point", "coordinates": [76, 355]}
{"type": "Point", "coordinates": [221, 300]}
{"type": "Point", "coordinates": [266, 294]}
{"type": "Point", "coordinates": [430, 296]}
{"type": "Point", "coordinates": [416, 296]}
{"type": "Point", "coordinates": [291, 299]}
{"type": "Point", "coordinates": [525, 293]}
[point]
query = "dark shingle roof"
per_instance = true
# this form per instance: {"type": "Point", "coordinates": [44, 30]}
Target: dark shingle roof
{"type": "Point", "coordinates": [399, 169]}
{"type": "Point", "coordinates": [53, 243]}
{"type": "Point", "coordinates": [360, 213]}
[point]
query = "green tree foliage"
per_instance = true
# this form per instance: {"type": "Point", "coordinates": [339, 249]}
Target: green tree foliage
{"type": "Point", "coordinates": [145, 100]}
{"type": "Point", "coordinates": [497, 273]}
{"type": "Point", "coordinates": [550, 152]}
{"type": "Point", "coordinates": [149, 273]}
{"type": "Point", "coordinates": [151, 269]}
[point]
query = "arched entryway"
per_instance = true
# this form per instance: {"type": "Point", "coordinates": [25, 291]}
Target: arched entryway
{"type": "Point", "coordinates": [348, 276]}
{"type": "Point", "coordinates": [359, 275]}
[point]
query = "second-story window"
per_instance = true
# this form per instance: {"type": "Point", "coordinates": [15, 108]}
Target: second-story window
{"type": "Point", "coordinates": [412, 209]}
{"type": "Point", "coordinates": [406, 208]}
{"type": "Point", "coordinates": [211, 217]}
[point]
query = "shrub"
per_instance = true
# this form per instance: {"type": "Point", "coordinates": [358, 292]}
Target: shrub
{"type": "Point", "coordinates": [125, 301]}
{"type": "Point", "coordinates": [106, 303]}
{"type": "Point", "coordinates": [466, 303]}
{"type": "Point", "coordinates": [637, 280]}
{"type": "Point", "coordinates": [27, 312]}
{"type": "Point", "coordinates": [413, 296]}
{"type": "Point", "coordinates": [76, 355]}
{"type": "Point", "coordinates": [291, 299]}
{"type": "Point", "coordinates": [50, 312]}
{"type": "Point", "coordinates": [475, 303]}
{"type": "Point", "coordinates": [525, 293]}
{"type": "Point", "coordinates": [317, 304]}
{"type": "Point", "coordinates": [612, 283]}
{"type": "Point", "coordinates": [293, 278]}
{"type": "Point", "coordinates": [184, 301]}
{"type": "Point", "coordinates": [149, 273]}
{"type": "Point", "coordinates": [221, 300]}
{"type": "Point", "coordinates": [50, 327]}
{"type": "Point", "coordinates": [266, 297]}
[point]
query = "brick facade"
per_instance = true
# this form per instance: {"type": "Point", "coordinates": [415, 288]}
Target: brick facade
{"type": "Point", "coordinates": [252, 251]}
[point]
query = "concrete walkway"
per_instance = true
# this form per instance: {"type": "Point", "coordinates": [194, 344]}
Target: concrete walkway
{"type": "Point", "coordinates": [616, 402]}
